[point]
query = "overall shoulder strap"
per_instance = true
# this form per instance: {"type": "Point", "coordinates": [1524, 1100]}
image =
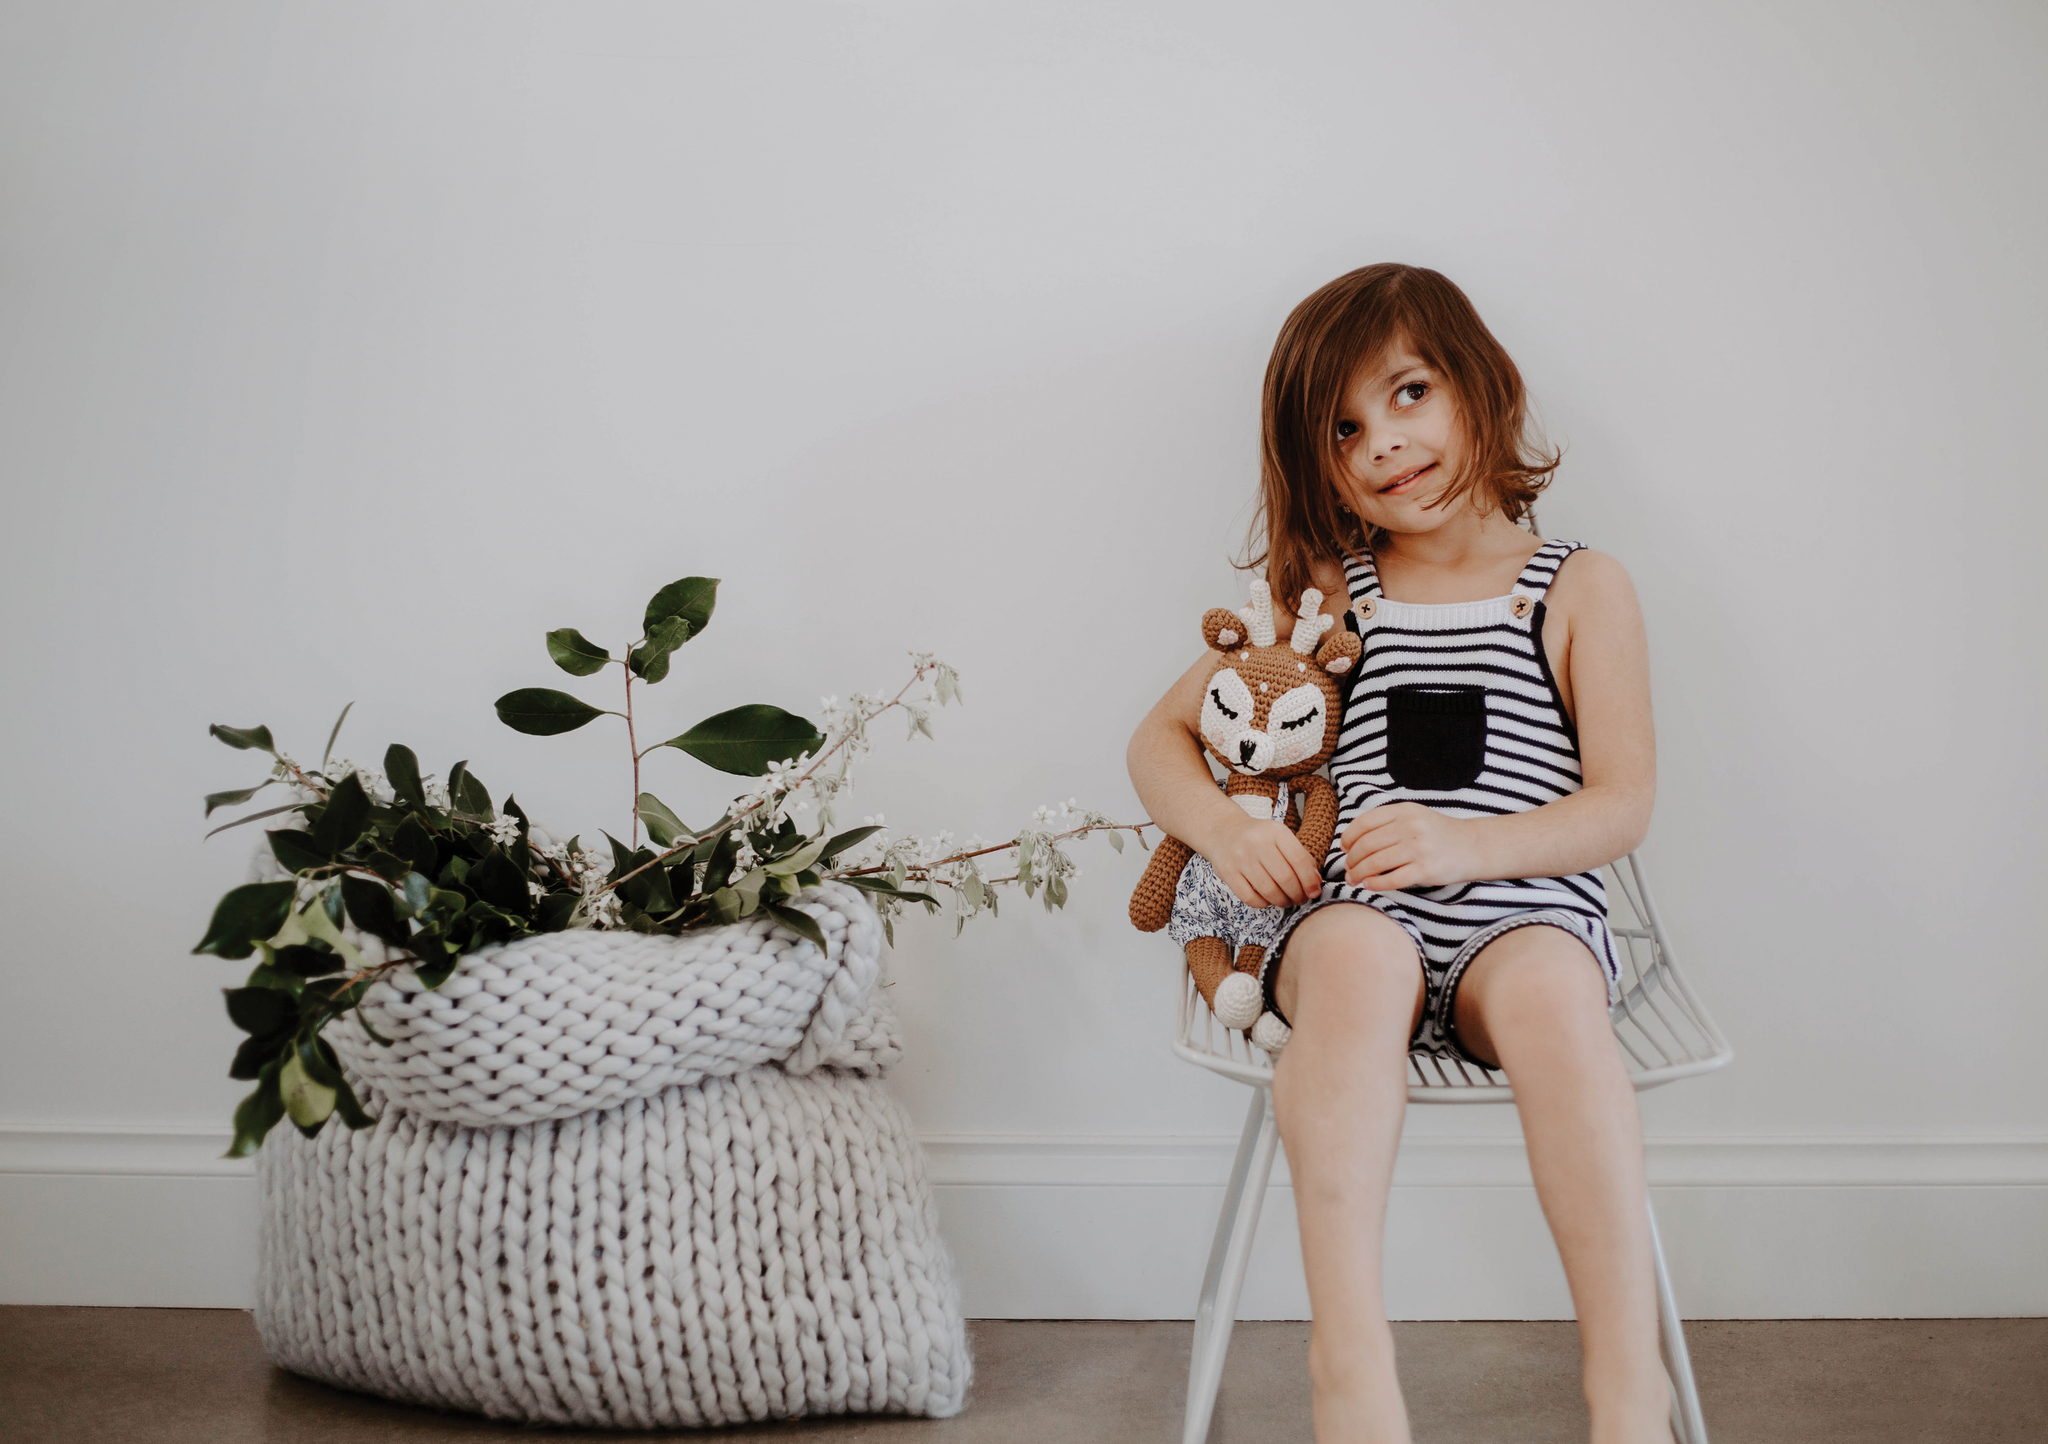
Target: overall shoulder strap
{"type": "Point", "coordinates": [1361, 577]}
{"type": "Point", "coordinates": [1536, 577]}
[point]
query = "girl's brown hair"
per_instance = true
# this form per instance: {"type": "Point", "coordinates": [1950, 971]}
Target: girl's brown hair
{"type": "Point", "coordinates": [1349, 323]}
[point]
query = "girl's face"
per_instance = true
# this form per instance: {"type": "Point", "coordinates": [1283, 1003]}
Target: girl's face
{"type": "Point", "coordinates": [1401, 443]}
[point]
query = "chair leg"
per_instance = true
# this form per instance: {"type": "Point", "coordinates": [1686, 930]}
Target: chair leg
{"type": "Point", "coordinates": [1686, 1421]}
{"type": "Point", "coordinates": [1229, 1256]}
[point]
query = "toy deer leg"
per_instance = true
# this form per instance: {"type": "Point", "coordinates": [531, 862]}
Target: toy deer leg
{"type": "Point", "coordinates": [1267, 1030]}
{"type": "Point", "coordinates": [1233, 997]}
{"type": "Point", "coordinates": [1152, 903]}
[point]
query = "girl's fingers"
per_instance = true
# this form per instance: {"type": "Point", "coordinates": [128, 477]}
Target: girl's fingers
{"type": "Point", "coordinates": [1266, 891]}
{"type": "Point", "coordinates": [1309, 876]}
{"type": "Point", "coordinates": [1405, 875]}
{"type": "Point", "coordinates": [1375, 818]}
{"type": "Point", "coordinates": [1381, 858]}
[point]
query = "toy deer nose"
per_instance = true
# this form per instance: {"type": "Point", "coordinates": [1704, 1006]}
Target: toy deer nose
{"type": "Point", "coordinates": [1245, 748]}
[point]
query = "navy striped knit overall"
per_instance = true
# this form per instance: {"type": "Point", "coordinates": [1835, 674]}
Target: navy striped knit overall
{"type": "Point", "coordinates": [1453, 706]}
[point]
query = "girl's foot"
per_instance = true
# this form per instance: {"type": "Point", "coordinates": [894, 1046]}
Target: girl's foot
{"type": "Point", "coordinates": [1358, 1401]}
{"type": "Point", "coordinates": [1644, 1418]}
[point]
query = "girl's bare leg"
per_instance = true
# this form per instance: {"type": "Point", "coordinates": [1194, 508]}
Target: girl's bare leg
{"type": "Point", "coordinates": [1351, 985]}
{"type": "Point", "coordinates": [1535, 1001]}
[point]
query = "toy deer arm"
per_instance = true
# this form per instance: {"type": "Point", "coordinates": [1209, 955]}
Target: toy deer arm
{"type": "Point", "coordinates": [1318, 816]}
{"type": "Point", "coordinates": [1152, 903]}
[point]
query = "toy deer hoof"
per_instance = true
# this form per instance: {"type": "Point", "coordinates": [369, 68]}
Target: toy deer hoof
{"type": "Point", "coordinates": [1270, 1033]}
{"type": "Point", "coordinates": [1239, 1001]}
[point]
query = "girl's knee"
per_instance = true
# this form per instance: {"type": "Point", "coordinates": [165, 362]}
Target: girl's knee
{"type": "Point", "coordinates": [1541, 977]}
{"type": "Point", "coordinates": [1348, 952]}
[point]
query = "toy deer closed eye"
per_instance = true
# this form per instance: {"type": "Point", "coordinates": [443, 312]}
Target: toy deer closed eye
{"type": "Point", "coordinates": [1270, 714]}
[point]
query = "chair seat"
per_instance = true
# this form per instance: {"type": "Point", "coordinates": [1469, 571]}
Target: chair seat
{"type": "Point", "coordinates": [1662, 1028]}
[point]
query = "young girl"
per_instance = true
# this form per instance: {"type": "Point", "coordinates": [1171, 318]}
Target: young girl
{"type": "Point", "coordinates": [1495, 750]}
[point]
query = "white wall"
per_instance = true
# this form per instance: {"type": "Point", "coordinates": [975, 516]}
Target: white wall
{"type": "Point", "coordinates": [345, 349]}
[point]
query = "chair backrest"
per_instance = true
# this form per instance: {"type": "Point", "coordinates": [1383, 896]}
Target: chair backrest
{"type": "Point", "coordinates": [1663, 1030]}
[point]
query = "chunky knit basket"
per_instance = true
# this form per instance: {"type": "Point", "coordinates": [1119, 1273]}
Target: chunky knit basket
{"type": "Point", "coordinates": [622, 1180]}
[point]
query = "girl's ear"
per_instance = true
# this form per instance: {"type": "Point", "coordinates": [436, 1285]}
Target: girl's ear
{"type": "Point", "coordinates": [1222, 629]}
{"type": "Point", "coordinates": [1340, 651]}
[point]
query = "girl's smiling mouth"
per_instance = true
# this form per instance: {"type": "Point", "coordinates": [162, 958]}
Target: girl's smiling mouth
{"type": "Point", "coordinates": [1406, 479]}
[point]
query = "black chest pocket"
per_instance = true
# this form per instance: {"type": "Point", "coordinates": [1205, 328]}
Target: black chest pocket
{"type": "Point", "coordinates": [1436, 736]}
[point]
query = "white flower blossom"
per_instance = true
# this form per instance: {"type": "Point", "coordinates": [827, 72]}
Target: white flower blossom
{"type": "Point", "coordinates": [602, 908]}
{"type": "Point", "coordinates": [503, 830]}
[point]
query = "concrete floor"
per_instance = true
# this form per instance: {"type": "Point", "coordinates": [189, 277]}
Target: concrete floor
{"type": "Point", "coordinates": [190, 1376]}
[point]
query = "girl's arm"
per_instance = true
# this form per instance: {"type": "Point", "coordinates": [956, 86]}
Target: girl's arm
{"type": "Point", "coordinates": [1259, 861]}
{"type": "Point", "coordinates": [1605, 680]}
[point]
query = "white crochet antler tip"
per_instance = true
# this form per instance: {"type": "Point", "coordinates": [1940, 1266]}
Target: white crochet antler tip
{"type": "Point", "coordinates": [1259, 616]}
{"type": "Point", "coordinates": [1310, 625]}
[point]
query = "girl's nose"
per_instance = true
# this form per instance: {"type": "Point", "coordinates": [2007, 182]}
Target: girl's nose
{"type": "Point", "coordinates": [1385, 444]}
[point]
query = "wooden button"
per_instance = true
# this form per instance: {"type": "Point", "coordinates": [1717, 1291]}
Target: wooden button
{"type": "Point", "coordinates": [1366, 607]}
{"type": "Point", "coordinates": [1522, 606]}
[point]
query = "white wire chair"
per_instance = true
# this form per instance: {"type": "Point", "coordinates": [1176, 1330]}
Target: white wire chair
{"type": "Point", "coordinates": [1664, 1032]}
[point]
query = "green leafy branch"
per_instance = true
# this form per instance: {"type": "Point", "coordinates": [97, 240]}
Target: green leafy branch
{"type": "Point", "coordinates": [743, 740]}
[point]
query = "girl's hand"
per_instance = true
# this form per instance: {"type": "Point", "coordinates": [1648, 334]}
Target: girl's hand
{"type": "Point", "coordinates": [1266, 865]}
{"type": "Point", "coordinates": [1404, 844]}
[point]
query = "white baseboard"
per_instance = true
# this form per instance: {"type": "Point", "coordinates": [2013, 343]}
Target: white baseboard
{"type": "Point", "coordinates": [1118, 1227]}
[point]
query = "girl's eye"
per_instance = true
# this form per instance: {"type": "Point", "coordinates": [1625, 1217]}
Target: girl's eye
{"type": "Point", "coordinates": [1346, 430]}
{"type": "Point", "coordinates": [1413, 392]}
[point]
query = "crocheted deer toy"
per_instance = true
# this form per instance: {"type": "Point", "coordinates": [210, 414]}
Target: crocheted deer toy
{"type": "Point", "coordinates": [1270, 716]}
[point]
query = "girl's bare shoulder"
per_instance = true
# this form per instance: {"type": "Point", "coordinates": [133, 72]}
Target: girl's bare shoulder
{"type": "Point", "coordinates": [1592, 584]}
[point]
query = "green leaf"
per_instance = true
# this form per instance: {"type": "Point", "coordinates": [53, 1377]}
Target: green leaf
{"type": "Point", "coordinates": [1116, 841]}
{"type": "Point", "coordinates": [403, 768]}
{"type": "Point", "coordinates": [258, 816]}
{"type": "Point", "coordinates": [253, 1054]}
{"type": "Point", "coordinates": [468, 793]}
{"type": "Point", "coordinates": [692, 599]}
{"type": "Point", "coordinates": [728, 904]}
{"type": "Point", "coordinates": [306, 1102]}
{"type": "Point", "coordinates": [245, 917]}
{"type": "Point", "coordinates": [343, 818]}
{"type": "Point", "coordinates": [415, 844]}
{"type": "Point", "coordinates": [876, 885]}
{"type": "Point", "coordinates": [544, 712]}
{"type": "Point", "coordinates": [435, 972]}
{"type": "Point", "coordinates": [746, 739]}
{"type": "Point", "coordinates": [852, 838]}
{"type": "Point", "coordinates": [261, 1012]}
{"type": "Point", "coordinates": [551, 913]}
{"type": "Point", "coordinates": [662, 825]}
{"type": "Point", "coordinates": [800, 923]}
{"type": "Point", "coordinates": [235, 798]}
{"type": "Point", "coordinates": [328, 751]}
{"type": "Point", "coordinates": [347, 1107]}
{"type": "Point", "coordinates": [257, 1114]}
{"type": "Point", "coordinates": [575, 653]}
{"type": "Point", "coordinates": [797, 861]}
{"type": "Point", "coordinates": [295, 851]}
{"type": "Point", "coordinates": [498, 881]}
{"type": "Point", "coordinates": [302, 961]}
{"type": "Point", "coordinates": [242, 739]}
{"type": "Point", "coordinates": [370, 908]}
{"type": "Point", "coordinates": [649, 660]}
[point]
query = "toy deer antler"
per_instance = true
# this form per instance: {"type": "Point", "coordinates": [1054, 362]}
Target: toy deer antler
{"type": "Point", "coordinates": [1310, 623]}
{"type": "Point", "coordinates": [1258, 617]}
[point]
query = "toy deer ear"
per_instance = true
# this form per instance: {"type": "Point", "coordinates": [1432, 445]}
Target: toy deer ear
{"type": "Point", "coordinates": [1340, 652]}
{"type": "Point", "coordinates": [1223, 629]}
